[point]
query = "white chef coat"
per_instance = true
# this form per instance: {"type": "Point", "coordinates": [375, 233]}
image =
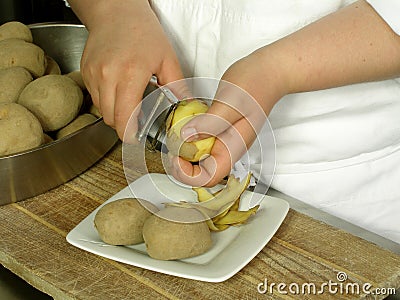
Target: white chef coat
{"type": "Point", "coordinates": [336, 149]}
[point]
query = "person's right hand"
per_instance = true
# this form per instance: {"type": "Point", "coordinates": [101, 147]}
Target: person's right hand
{"type": "Point", "coordinates": [125, 47]}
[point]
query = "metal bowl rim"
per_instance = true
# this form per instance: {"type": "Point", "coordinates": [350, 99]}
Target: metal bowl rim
{"type": "Point", "coordinates": [51, 143]}
{"type": "Point", "coordinates": [55, 24]}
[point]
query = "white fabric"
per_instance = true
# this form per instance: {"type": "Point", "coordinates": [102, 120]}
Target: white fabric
{"type": "Point", "coordinates": [366, 194]}
{"type": "Point", "coordinates": [389, 10]}
{"type": "Point", "coordinates": [336, 149]}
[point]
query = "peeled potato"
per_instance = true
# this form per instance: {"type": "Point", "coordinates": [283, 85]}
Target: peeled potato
{"type": "Point", "coordinates": [169, 240]}
{"type": "Point", "coordinates": [18, 53]}
{"type": "Point", "coordinates": [15, 30]}
{"type": "Point", "coordinates": [12, 82]}
{"type": "Point", "coordinates": [54, 99]}
{"type": "Point", "coordinates": [183, 113]}
{"type": "Point", "coordinates": [80, 122]}
{"type": "Point", "coordinates": [121, 222]}
{"type": "Point", "coordinates": [20, 130]}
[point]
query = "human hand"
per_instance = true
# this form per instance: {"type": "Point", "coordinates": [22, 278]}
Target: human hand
{"type": "Point", "coordinates": [125, 47]}
{"type": "Point", "coordinates": [352, 45]}
{"type": "Point", "coordinates": [238, 112]}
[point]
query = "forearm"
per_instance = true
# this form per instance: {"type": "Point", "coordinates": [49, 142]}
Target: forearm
{"type": "Point", "coordinates": [349, 46]}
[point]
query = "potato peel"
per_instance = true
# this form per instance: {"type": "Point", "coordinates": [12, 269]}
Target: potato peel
{"type": "Point", "coordinates": [226, 198]}
{"type": "Point", "coordinates": [202, 194]}
{"type": "Point", "coordinates": [234, 217]}
{"type": "Point", "coordinates": [221, 209]}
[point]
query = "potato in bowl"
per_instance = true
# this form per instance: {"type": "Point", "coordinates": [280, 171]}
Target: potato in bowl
{"type": "Point", "coordinates": [33, 171]}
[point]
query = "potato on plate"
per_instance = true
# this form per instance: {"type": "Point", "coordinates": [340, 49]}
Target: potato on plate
{"type": "Point", "coordinates": [120, 222]}
{"type": "Point", "coordinates": [169, 240]}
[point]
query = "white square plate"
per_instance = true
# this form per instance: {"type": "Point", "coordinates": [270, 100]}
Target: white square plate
{"type": "Point", "coordinates": [232, 248]}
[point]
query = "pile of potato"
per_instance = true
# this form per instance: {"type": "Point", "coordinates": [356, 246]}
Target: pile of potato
{"type": "Point", "coordinates": [37, 103]}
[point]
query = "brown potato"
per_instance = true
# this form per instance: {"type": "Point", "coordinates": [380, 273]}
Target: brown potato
{"type": "Point", "coordinates": [170, 240]}
{"type": "Point", "coordinates": [18, 53]}
{"type": "Point", "coordinates": [15, 30]}
{"type": "Point", "coordinates": [20, 130]}
{"type": "Point", "coordinates": [120, 222]}
{"type": "Point", "coordinates": [87, 102]}
{"type": "Point", "coordinates": [77, 77]}
{"type": "Point", "coordinates": [52, 67]}
{"type": "Point", "coordinates": [80, 122]}
{"type": "Point", "coordinates": [46, 139]}
{"type": "Point", "coordinates": [95, 111]}
{"type": "Point", "coordinates": [54, 99]}
{"type": "Point", "coordinates": [12, 82]}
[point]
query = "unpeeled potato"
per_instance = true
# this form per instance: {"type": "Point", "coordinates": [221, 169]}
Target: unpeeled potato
{"type": "Point", "coordinates": [18, 53]}
{"type": "Point", "coordinates": [95, 111]}
{"type": "Point", "coordinates": [80, 122]}
{"type": "Point", "coordinates": [54, 99]}
{"type": "Point", "coordinates": [15, 30]}
{"type": "Point", "coordinates": [52, 67]}
{"type": "Point", "coordinates": [169, 240]}
{"type": "Point", "coordinates": [20, 130]}
{"type": "Point", "coordinates": [120, 222]}
{"type": "Point", "coordinates": [77, 77]}
{"type": "Point", "coordinates": [12, 82]}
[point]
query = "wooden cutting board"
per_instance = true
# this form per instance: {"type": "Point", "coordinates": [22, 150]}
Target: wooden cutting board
{"type": "Point", "coordinates": [304, 251]}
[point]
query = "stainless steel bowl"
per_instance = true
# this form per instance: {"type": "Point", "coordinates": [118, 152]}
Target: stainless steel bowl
{"type": "Point", "coordinates": [30, 173]}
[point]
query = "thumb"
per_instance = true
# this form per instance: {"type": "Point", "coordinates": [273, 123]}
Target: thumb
{"type": "Point", "coordinates": [216, 120]}
{"type": "Point", "coordinates": [231, 103]}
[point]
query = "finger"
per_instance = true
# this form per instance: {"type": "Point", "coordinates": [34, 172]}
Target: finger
{"type": "Point", "coordinates": [106, 102]}
{"type": "Point", "coordinates": [231, 103]}
{"type": "Point", "coordinates": [229, 147]}
{"type": "Point", "coordinates": [132, 127]}
{"type": "Point", "coordinates": [208, 124]}
{"type": "Point", "coordinates": [170, 71]}
{"type": "Point", "coordinates": [87, 79]}
{"type": "Point", "coordinates": [207, 173]}
{"type": "Point", "coordinates": [94, 95]}
{"type": "Point", "coordinates": [129, 94]}
{"type": "Point", "coordinates": [90, 83]}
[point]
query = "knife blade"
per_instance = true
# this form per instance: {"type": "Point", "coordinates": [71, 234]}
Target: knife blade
{"type": "Point", "coordinates": [165, 93]}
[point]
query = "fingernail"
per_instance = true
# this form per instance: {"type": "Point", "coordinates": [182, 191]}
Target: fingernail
{"type": "Point", "coordinates": [189, 134]}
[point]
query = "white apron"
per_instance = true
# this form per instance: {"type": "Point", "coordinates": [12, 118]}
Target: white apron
{"type": "Point", "coordinates": [336, 149]}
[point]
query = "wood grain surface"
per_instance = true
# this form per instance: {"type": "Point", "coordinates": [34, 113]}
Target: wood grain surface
{"type": "Point", "coordinates": [303, 251]}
